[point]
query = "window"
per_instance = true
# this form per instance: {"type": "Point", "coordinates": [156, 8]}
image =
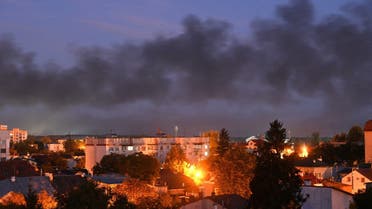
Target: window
{"type": "Point", "coordinates": [362, 180]}
{"type": "Point", "coordinates": [348, 179]}
{"type": "Point", "coordinates": [130, 148]}
{"type": "Point", "coordinates": [3, 150]}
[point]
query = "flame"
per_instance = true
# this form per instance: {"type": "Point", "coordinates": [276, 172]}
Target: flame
{"type": "Point", "coordinates": [193, 172]}
{"type": "Point", "coordinates": [304, 152]}
{"type": "Point", "coordinates": [287, 151]}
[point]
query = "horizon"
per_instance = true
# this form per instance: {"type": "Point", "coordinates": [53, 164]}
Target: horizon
{"type": "Point", "coordinates": [93, 67]}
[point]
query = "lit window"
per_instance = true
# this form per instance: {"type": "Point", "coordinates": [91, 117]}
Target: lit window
{"type": "Point", "coordinates": [130, 148]}
{"type": "Point", "coordinates": [206, 153]}
{"type": "Point", "coordinates": [206, 146]}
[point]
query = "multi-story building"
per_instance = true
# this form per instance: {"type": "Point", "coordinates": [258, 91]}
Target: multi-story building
{"type": "Point", "coordinates": [18, 135]}
{"type": "Point", "coordinates": [4, 142]}
{"type": "Point", "coordinates": [368, 142]}
{"type": "Point", "coordinates": [195, 148]}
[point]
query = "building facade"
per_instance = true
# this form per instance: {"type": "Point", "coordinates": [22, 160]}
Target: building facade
{"type": "Point", "coordinates": [18, 135]}
{"type": "Point", "coordinates": [195, 148]}
{"type": "Point", "coordinates": [368, 141]}
{"type": "Point", "coordinates": [4, 143]}
{"type": "Point", "coordinates": [358, 178]}
{"type": "Point", "coordinates": [326, 198]}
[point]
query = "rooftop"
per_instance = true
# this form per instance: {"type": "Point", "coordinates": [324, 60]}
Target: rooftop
{"type": "Point", "coordinates": [368, 126]}
{"type": "Point", "coordinates": [22, 185]}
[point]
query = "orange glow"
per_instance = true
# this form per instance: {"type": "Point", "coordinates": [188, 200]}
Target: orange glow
{"type": "Point", "coordinates": [193, 172]}
{"type": "Point", "coordinates": [303, 152]}
{"type": "Point", "coordinates": [287, 151]}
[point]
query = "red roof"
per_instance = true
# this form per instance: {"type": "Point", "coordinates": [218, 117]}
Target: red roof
{"type": "Point", "coordinates": [368, 126]}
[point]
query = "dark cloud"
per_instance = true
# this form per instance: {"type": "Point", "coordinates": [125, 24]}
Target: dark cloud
{"type": "Point", "coordinates": [290, 61]}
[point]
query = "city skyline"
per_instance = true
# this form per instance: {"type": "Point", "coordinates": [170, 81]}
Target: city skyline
{"type": "Point", "coordinates": [199, 67]}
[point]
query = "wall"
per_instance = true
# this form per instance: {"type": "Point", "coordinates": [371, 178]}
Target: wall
{"type": "Point", "coordinates": [368, 146]}
{"type": "Point", "coordinates": [4, 144]}
{"type": "Point", "coordinates": [326, 198]}
{"type": "Point", "coordinates": [195, 148]}
{"type": "Point", "coordinates": [202, 204]}
{"type": "Point", "coordinates": [355, 179]}
{"type": "Point", "coordinates": [319, 172]}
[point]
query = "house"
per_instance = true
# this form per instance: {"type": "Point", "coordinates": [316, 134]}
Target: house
{"type": "Point", "coordinates": [253, 142]}
{"type": "Point", "coordinates": [202, 204]}
{"type": "Point", "coordinates": [17, 167]}
{"type": "Point", "coordinates": [56, 147]}
{"type": "Point", "coordinates": [358, 178]}
{"type": "Point", "coordinates": [226, 201]}
{"type": "Point", "coordinates": [326, 198]}
{"type": "Point", "coordinates": [24, 184]}
{"type": "Point", "coordinates": [314, 169]}
{"type": "Point", "coordinates": [110, 180]}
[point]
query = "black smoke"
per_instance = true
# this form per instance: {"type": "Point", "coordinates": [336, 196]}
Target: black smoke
{"type": "Point", "coordinates": [288, 60]}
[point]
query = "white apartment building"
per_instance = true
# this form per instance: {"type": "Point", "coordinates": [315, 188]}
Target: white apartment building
{"type": "Point", "coordinates": [196, 148]}
{"type": "Point", "coordinates": [4, 143]}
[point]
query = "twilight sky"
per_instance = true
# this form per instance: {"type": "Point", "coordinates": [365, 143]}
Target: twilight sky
{"type": "Point", "coordinates": [89, 66]}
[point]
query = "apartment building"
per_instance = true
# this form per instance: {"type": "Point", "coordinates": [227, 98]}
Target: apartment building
{"type": "Point", "coordinates": [4, 143]}
{"type": "Point", "coordinates": [196, 148]}
{"type": "Point", "coordinates": [18, 135]}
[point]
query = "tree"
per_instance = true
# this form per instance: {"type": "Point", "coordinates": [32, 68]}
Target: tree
{"type": "Point", "coordinates": [234, 171]}
{"type": "Point", "coordinates": [72, 147]}
{"type": "Point", "coordinates": [339, 137]}
{"type": "Point", "coordinates": [121, 202]}
{"type": "Point", "coordinates": [138, 165]}
{"type": "Point", "coordinates": [13, 200]}
{"type": "Point", "coordinates": [355, 134]}
{"type": "Point", "coordinates": [223, 142]}
{"type": "Point", "coordinates": [24, 147]}
{"type": "Point", "coordinates": [213, 140]}
{"type": "Point", "coordinates": [32, 200]}
{"type": "Point", "coordinates": [276, 136]}
{"type": "Point", "coordinates": [315, 139]}
{"type": "Point", "coordinates": [87, 196]}
{"type": "Point", "coordinates": [143, 167]}
{"type": "Point", "coordinates": [134, 189]}
{"type": "Point", "coordinates": [276, 183]}
{"type": "Point", "coordinates": [175, 158]}
{"type": "Point", "coordinates": [46, 201]}
{"type": "Point", "coordinates": [51, 162]}
{"type": "Point", "coordinates": [362, 200]}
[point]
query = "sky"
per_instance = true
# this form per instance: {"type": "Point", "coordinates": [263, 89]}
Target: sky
{"type": "Point", "coordinates": [132, 67]}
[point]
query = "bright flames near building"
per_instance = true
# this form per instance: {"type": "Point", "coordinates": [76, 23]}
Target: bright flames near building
{"type": "Point", "coordinates": [303, 152]}
{"type": "Point", "coordinates": [191, 171]}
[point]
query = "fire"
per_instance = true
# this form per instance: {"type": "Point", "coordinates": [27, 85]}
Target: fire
{"type": "Point", "coordinates": [303, 152]}
{"type": "Point", "coordinates": [193, 172]}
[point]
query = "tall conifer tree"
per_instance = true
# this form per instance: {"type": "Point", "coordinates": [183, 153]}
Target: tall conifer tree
{"type": "Point", "coordinates": [276, 184]}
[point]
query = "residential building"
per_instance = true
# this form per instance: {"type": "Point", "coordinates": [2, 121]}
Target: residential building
{"type": "Point", "coordinates": [23, 184]}
{"type": "Point", "coordinates": [18, 135]}
{"type": "Point", "coordinates": [195, 148]}
{"type": "Point", "coordinates": [4, 143]}
{"type": "Point", "coordinates": [326, 198]}
{"type": "Point", "coordinates": [252, 143]}
{"type": "Point", "coordinates": [56, 147]}
{"type": "Point", "coordinates": [227, 201]}
{"type": "Point", "coordinates": [368, 142]}
{"type": "Point", "coordinates": [358, 178]}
